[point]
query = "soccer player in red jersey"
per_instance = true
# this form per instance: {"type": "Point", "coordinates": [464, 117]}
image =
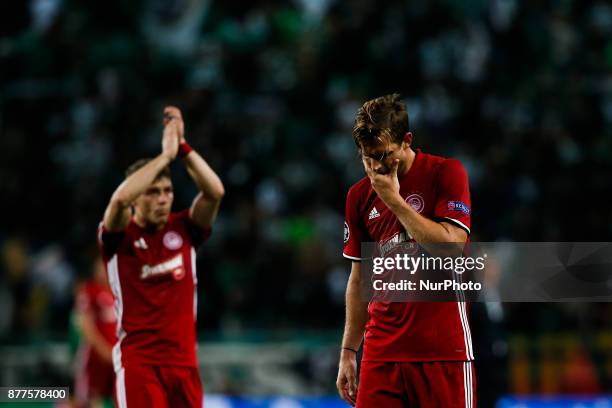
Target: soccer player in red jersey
{"type": "Point", "coordinates": [97, 321]}
{"type": "Point", "coordinates": [150, 256]}
{"type": "Point", "coordinates": [416, 354]}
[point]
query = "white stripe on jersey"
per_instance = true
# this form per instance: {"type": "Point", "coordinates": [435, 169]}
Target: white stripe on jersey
{"type": "Point", "coordinates": [120, 388]}
{"type": "Point", "coordinates": [195, 283]}
{"type": "Point", "coordinates": [353, 258]}
{"type": "Point", "coordinates": [113, 279]}
{"type": "Point", "coordinates": [468, 385]}
{"type": "Point", "coordinates": [468, 330]}
{"type": "Point", "coordinates": [458, 223]}
{"type": "Point", "coordinates": [465, 387]}
{"type": "Point", "coordinates": [467, 335]}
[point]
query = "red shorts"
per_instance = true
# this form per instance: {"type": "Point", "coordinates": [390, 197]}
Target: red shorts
{"type": "Point", "coordinates": [94, 378]}
{"type": "Point", "coordinates": [447, 384]}
{"type": "Point", "coordinates": [158, 387]}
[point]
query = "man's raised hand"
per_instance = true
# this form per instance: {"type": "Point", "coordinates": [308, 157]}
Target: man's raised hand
{"type": "Point", "coordinates": [170, 139]}
{"type": "Point", "coordinates": [172, 113]}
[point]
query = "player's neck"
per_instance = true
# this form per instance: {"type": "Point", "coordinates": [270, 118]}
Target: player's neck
{"type": "Point", "coordinates": [410, 156]}
{"type": "Point", "coordinates": [142, 223]}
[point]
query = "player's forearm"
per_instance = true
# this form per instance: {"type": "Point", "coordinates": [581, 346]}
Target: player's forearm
{"type": "Point", "coordinates": [425, 232]}
{"type": "Point", "coordinates": [356, 315]}
{"type": "Point", "coordinates": [138, 182]}
{"type": "Point", "coordinates": [102, 347]}
{"type": "Point", "coordinates": [205, 178]}
{"type": "Point", "coordinates": [93, 337]}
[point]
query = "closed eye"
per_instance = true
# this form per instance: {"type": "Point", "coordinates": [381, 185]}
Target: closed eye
{"type": "Point", "coordinates": [379, 156]}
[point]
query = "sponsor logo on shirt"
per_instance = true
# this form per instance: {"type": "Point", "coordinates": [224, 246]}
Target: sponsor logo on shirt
{"type": "Point", "coordinates": [458, 206]}
{"type": "Point", "coordinates": [373, 214]}
{"type": "Point", "coordinates": [416, 201]}
{"type": "Point", "coordinates": [347, 232]}
{"type": "Point", "coordinates": [387, 245]}
{"type": "Point", "coordinates": [172, 240]}
{"type": "Point", "coordinates": [173, 266]}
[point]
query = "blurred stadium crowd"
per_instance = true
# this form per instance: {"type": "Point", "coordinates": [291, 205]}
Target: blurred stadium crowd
{"type": "Point", "coordinates": [520, 92]}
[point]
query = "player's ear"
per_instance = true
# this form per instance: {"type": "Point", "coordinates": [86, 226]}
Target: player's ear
{"type": "Point", "coordinates": [133, 205]}
{"type": "Point", "coordinates": [408, 139]}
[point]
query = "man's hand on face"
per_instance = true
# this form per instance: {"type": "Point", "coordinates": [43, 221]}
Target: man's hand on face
{"type": "Point", "coordinates": [385, 185]}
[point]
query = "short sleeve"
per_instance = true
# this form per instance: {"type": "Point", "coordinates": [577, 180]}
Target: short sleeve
{"type": "Point", "coordinates": [354, 232]}
{"type": "Point", "coordinates": [196, 234]}
{"type": "Point", "coordinates": [109, 241]}
{"type": "Point", "coordinates": [453, 195]}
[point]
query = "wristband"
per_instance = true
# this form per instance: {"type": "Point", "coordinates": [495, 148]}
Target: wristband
{"type": "Point", "coordinates": [184, 149]}
{"type": "Point", "coordinates": [350, 349]}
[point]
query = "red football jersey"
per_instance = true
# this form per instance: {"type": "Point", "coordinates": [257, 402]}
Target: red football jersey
{"type": "Point", "coordinates": [437, 188]}
{"type": "Point", "coordinates": [97, 300]}
{"type": "Point", "coordinates": [94, 375]}
{"type": "Point", "coordinates": [153, 277]}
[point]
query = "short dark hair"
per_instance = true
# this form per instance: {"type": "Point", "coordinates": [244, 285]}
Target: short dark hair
{"type": "Point", "coordinates": [381, 120]}
{"type": "Point", "coordinates": [165, 172]}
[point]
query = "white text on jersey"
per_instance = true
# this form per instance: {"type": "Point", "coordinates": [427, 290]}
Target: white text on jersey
{"type": "Point", "coordinates": [165, 267]}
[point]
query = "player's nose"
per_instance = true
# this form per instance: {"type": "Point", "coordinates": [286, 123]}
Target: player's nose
{"type": "Point", "coordinates": [377, 166]}
{"type": "Point", "coordinates": [381, 169]}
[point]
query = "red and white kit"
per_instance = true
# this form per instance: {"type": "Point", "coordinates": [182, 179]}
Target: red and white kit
{"type": "Point", "coordinates": [421, 332]}
{"type": "Point", "coordinates": [95, 377]}
{"type": "Point", "coordinates": [152, 274]}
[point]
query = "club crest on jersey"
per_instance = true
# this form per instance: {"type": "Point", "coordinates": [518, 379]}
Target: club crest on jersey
{"type": "Point", "coordinates": [373, 214]}
{"type": "Point", "coordinates": [172, 240]}
{"type": "Point", "coordinates": [416, 201]}
{"type": "Point", "coordinates": [347, 232]}
{"type": "Point", "coordinates": [173, 266]}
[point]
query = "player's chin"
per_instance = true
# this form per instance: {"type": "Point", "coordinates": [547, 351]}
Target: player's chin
{"type": "Point", "coordinates": [161, 218]}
